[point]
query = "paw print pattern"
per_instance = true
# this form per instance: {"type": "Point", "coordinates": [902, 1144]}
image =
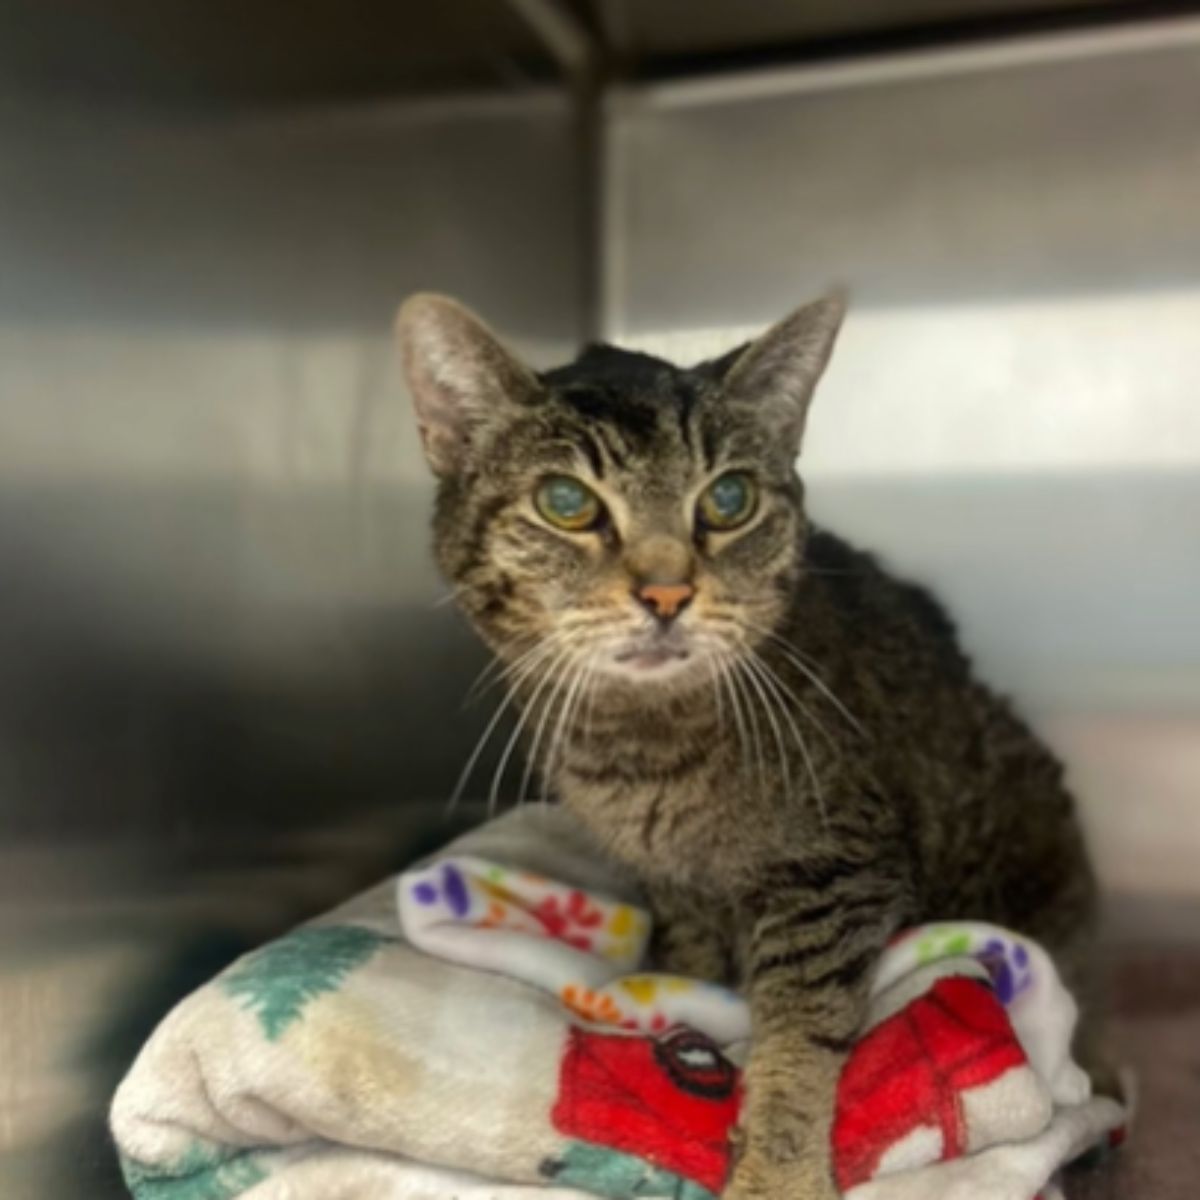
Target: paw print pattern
{"type": "Point", "coordinates": [1008, 965]}
{"type": "Point", "coordinates": [451, 890]}
{"type": "Point", "coordinates": [590, 1005]}
{"type": "Point", "coordinates": [505, 909]}
{"type": "Point", "coordinates": [642, 989]}
{"type": "Point", "coordinates": [630, 1003]}
{"type": "Point", "coordinates": [943, 942]}
{"type": "Point", "coordinates": [489, 897]}
{"type": "Point", "coordinates": [496, 917]}
{"type": "Point", "coordinates": [548, 925]}
{"type": "Point", "coordinates": [567, 919]}
{"type": "Point", "coordinates": [624, 926]}
{"type": "Point", "coordinates": [1006, 961]}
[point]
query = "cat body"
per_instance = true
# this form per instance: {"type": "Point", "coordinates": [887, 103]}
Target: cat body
{"type": "Point", "coordinates": [903, 754]}
{"type": "Point", "coordinates": [783, 740]}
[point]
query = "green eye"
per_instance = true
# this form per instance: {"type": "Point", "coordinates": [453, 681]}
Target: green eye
{"type": "Point", "coordinates": [567, 503]}
{"type": "Point", "coordinates": [727, 502]}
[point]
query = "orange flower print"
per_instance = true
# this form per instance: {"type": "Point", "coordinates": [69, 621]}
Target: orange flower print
{"type": "Point", "coordinates": [494, 917]}
{"type": "Point", "coordinates": [591, 1006]}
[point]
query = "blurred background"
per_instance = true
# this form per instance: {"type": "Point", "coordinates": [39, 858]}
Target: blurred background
{"type": "Point", "coordinates": [229, 693]}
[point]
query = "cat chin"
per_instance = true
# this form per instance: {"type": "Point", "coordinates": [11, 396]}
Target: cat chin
{"type": "Point", "coordinates": [654, 667]}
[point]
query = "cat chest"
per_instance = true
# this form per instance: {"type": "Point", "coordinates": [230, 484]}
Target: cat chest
{"type": "Point", "coordinates": [686, 829]}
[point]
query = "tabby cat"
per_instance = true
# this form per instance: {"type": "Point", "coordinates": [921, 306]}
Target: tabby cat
{"type": "Point", "coordinates": [783, 740]}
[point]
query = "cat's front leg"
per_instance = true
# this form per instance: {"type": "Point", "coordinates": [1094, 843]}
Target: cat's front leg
{"type": "Point", "coordinates": [810, 958]}
{"type": "Point", "coordinates": [693, 934]}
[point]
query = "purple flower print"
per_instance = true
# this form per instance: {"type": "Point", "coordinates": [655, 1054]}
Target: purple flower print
{"type": "Point", "coordinates": [453, 891]}
{"type": "Point", "coordinates": [1008, 966]}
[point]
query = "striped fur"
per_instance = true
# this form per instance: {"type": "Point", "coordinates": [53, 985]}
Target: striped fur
{"type": "Point", "coordinates": [824, 770]}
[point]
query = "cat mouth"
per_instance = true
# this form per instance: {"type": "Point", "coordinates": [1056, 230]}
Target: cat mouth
{"type": "Point", "coordinates": [652, 655]}
{"type": "Point", "coordinates": [648, 658]}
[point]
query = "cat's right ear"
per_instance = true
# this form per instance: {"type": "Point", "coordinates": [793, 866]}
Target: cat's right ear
{"type": "Point", "coordinates": [777, 373]}
{"type": "Point", "coordinates": [460, 376]}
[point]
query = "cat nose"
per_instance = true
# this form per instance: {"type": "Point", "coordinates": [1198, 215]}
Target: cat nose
{"type": "Point", "coordinates": [665, 600]}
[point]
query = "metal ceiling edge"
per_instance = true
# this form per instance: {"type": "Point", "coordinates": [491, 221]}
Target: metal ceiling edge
{"type": "Point", "coordinates": [567, 40]}
{"type": "Point", "coordinates": [872, 70]}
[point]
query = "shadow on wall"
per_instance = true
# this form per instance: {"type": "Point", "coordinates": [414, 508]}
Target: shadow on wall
{"type": "Point", "coordinates": [227, 700]}
{"type": "Point", "coordinates": [203, 740]}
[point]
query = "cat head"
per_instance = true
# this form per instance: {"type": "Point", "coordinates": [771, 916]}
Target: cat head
{"type": "Point", "coordinates": [620, 515]}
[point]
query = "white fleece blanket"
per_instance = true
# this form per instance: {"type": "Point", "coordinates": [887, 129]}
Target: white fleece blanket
{"type": "Point", "coordinates": [486, 1026]}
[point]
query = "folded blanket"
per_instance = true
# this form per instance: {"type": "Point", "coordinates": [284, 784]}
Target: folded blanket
{"type": "Point", "coordinates": [486, 1026]}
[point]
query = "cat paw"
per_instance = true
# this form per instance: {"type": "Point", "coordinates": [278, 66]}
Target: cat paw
{"type": "Point", "coordinates": [756, 1178]}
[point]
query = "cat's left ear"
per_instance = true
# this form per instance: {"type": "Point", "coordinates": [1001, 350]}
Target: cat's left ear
{"type": "Point", "coordinates": [461, 377]}
{"type": "Point", "coordinates": [778, 372]}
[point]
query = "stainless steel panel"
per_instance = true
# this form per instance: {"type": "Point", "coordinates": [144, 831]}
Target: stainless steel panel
{"type": "Point", "coordinates": [226, 52]}
{"type": "Point", "coordinates": [1046, 167]}
{"type": "Point", "coordinates": [1011, 414]}
{"type": "Point", "coordinates": [672, 27]}
{"type": "Point", "coordinates": [228, 695]}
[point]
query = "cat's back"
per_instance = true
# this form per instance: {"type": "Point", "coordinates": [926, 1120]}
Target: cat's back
{"type": "Point", "coordinates": [875, 624]}
{"type": "Point", "coordinates": [890, 652]}
{"type": "Point", "coordinates": [983, 794]}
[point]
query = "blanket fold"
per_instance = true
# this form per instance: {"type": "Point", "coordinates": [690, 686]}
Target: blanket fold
{"type": "Point", "coordinates": [487, 1025]}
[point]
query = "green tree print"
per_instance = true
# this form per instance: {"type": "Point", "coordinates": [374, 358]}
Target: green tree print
{"type": "Point", "coordinates": [203, 1173]}
{"type": "Point", "coordinates": [607, 1172]}
{"type": "Point", "coordinates": [277, 981]}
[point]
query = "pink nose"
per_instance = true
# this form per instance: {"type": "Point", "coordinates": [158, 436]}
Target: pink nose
{"type": "Point", "coordinates": [666, 600]}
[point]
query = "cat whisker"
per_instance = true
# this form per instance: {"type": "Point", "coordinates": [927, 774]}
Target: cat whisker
{"type": "Point", "coordinates": [477, 687]}
{"type": "Point", "coordinates": [562, 731]}
{"type": "Point", "coordinates": [772, 680]}
{"type": "Point", "coordinates": [551, 673]}
{"type": "Point", "coordinates": [711, 663]}
{"type": "Point", "coordinates": [539, 732]}
{"type": "Point", "coordinates": [481, 685]}
{"type": "Point", "coordinates": [531, 759]}
{"type": "Point", "coordinates": [795, 657]}
{"type": "Point", "coordinates": [564, 689]}
{"type": "Point", "coordinates": [748, 667]}
{"type": "Point", "coordinates": [592, 692]}
{"type": "Point", "coordinates": [723, 662]}
{"type": "Point", "coordinates": [804, 709]}
{"type": "Point", "coordinates": [499, 669]}
{"type": "Point", "coordinates": [527, 666]}
{"type": "Point", "coordinates": [575, 697]}
{"type": "Point", "coordinates": [755, 735]}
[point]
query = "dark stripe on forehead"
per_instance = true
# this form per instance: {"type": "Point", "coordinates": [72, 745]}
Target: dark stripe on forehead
{"type": "Point", "coordinates": [685, 399]}
{"type": "Point", "coordinates": [630, 400]}
{"type": "Point", "coordinates": [686, 432]}
{"type": "Point", "coordinates": [606, 437]}
{"type": "Point", "coordinates": [591, 451]}
{"type": "Point", "coordinates": [623, 423]}
{"type": "Point", "coordinates": [708, 446]}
